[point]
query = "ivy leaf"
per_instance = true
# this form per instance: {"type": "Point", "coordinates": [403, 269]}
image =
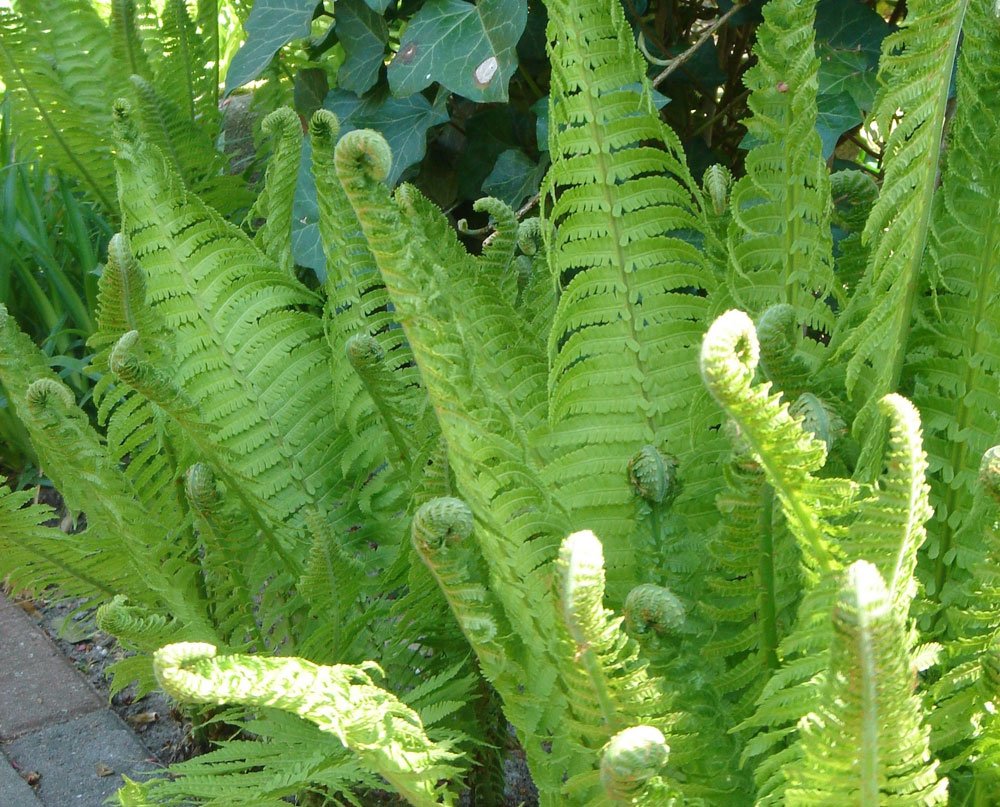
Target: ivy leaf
{"type": "Point", "coordinates": [515, 177]}
{"type": "Point", "coordinates": [307, 249]}
{"type": "Point", "coordinates": [469, 49]}
{"type": "Point", "coordinates": [402, 121]}
{"type": "Point", "coordinates": [364, 35]}
{"type": "Point", "coordinates": [836, 114]}
{"type": "Point", "coordinates": [308, 91]}
{"type": "Point", "coordinates": [848, 43]}
{"type": "Point", "coordinates": [271, 25]}
{"type": "Point", "coordinates": [379, 5]}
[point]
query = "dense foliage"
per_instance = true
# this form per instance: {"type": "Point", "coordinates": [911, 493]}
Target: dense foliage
{"type": "Point", "coordinates": [608, 452]}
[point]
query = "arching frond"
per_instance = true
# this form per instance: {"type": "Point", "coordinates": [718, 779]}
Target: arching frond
{"type": "Point", "coordinates": [387, 735]}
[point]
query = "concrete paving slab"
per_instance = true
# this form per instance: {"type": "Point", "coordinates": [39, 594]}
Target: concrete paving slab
{"type": "Point", "coordinates": [38, 685]}
{"type": "Point", "coordinates": [81, 760]}
{"type": "Point", "coordinates": [14, 791]}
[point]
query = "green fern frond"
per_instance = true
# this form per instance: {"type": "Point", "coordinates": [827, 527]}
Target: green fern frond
{"type": "Point", "coordinates": [777, 329]}
{"type": "Point", "coordinates": [229, 555]}
{"type": "Point", "coordinates": [248, 359]}
{"type": "Point", "coordinates": [964, 715]}
{"type": "Point", "coordinates": [288, 756]}
{"type": "Point", "coordinates": [386, 734]}
{"type": "Point", "coordinates": [867, 743]}
{"type": "Point", "coordinates": [358, 305]}
{"type": "Point", "coordinates": [955, 358]}
{"type": "Point", "coordinates": [780, 242]}
{"type": "Point", "coordinates": [915, 77]}
{"type": "Point", "coordinates": [34, 557]}
{"type": "Point", "coordinates": [632, 307]}
{"type": "Point", "coordinates": [607, 684]}
{"type": "Point", "coordinates": [889, 525]}
{"type": "Point", "coordinates": [274, 204]}
{"type": "Point", "coordinates": [497, 258]}
{"type": "Point", "coordinates": [131, 22]}
{"type": "Point", "coordinates": [57, 67]}
{"type": "Point", "coordinates": [189, 148]}
{"type": "Point", "coordinates": [754, 585]}
{"type": "Point", "coordinates": [788, 455]}
{"type": "Point", "coordinates": [442, 536]}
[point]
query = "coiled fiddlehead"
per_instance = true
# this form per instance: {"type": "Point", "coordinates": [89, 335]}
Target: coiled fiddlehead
{"type": "Point", "coordinates": [631, 765]}
{"type": "Point", "coordinates": [651, 609]}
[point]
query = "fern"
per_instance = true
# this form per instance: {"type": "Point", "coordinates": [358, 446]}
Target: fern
{"type": "Point", "coordinates": [617, 198]}
{"type": "Point", "coordinates": [867, 744]}
{"type": "Point", "coordinates": [913, 76]}
{"type": "Point", "coordinates": [954, 349]}
{"type": "Point", "coordinates": [387, 735]}
{"type": "Point", "coordinates": [36, 557]}
{"type": "Point", "coordinates": [780, 241]}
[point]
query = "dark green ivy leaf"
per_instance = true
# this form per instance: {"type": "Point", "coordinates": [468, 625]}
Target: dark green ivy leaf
{"type": "Point", "coordinates": [272, 24]}
{"type": "Point", "coordinates": [363, 34]}
{"type": "Point", "coordinates": [469, 49]}
{"type": "Point", "coordinates": [307, 249]}
{"type": "Point", "coordinates": [849, 38]}
{"type": "Point", "coordinates": [515, 177]}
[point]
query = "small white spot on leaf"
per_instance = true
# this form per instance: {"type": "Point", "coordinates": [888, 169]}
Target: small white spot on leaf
{"type": "Point", "coordinates": [486, 71]}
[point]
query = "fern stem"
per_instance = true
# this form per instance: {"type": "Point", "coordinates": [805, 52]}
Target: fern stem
{"type": "Point", "coordinates": [766, 612]}
{"type": "Point", "coordinates": [592, 666]}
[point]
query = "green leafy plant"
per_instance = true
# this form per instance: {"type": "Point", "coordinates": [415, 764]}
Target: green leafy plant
{"type": "Point", "coordinates": [682, 577]}
{"type": "Point", "coordinates": [63, 65]}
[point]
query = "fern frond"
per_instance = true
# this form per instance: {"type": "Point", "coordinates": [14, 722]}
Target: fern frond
{"type": "Point", "coordinates": [754, 585]}
{"type": "Point", "coordinates": [274, 204]}
{"type": "Point", "coordinates": [230, 560]}
{"type": "Point", "coordinates": [780, 242]}
{"type": "Point", "coordinates": [249, 361]}
{"type": "Point", "coordinates": [915, 77]}
{"type": "Point", "coordinates": [619, 687]}
{"type": "Point", "coordinates": [497, 258]}
{"type": "Point", "coordinates": [777, 330]}
{"type": "Point", "coordinates": [189, 148]}
{"type": "Point", "coordinates": [57, 67]}
{"type": "Point", "coordinates": [889, 526]}
{"type": "Point", "coordinates": [34, 557]}
{"type": "Point", "coordinates": [442, 536]}
{"type": "Point", "coordinates": [386, 734]}
{"type": "Point", "coordinates": [867, 743]}
{"type": "Point", "coordinates": [788, 455]}
{"type": "Point", "coordinates": [955, 357]}
{"type": "Point", "coordinates": [632, 307]}
{"type": "Point", "coordinates": [150, 567]}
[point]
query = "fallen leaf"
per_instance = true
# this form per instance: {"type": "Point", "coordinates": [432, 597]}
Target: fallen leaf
{"type": "Point", "coordinates": [142, 718]}
{"type": "Point", "coordinates": [104, 770]}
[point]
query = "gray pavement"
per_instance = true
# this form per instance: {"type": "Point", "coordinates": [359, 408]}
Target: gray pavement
{"type": "Point", "coordinates": [55, 730]}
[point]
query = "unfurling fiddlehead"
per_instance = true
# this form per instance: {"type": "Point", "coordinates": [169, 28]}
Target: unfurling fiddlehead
{"type": "Point", "coordinates": [630, 767]}
{"type": "Point", "coordinates": [387, 735]}
{"type": "Point", "coordinates": [442, 533]}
